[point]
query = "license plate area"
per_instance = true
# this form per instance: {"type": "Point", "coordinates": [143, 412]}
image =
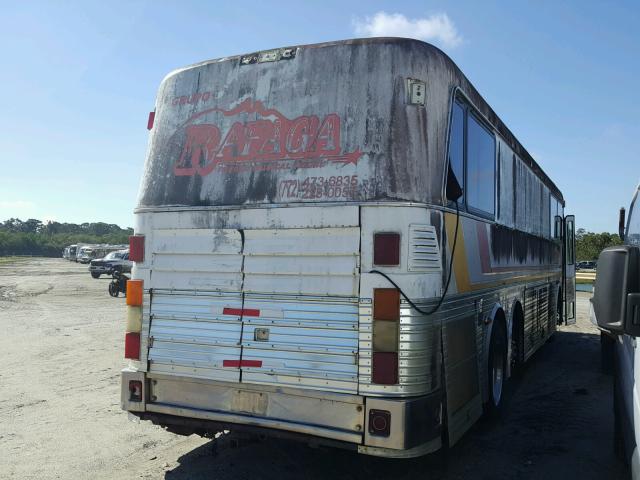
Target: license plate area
{"type": "Point", "coordinates": [254, 403]}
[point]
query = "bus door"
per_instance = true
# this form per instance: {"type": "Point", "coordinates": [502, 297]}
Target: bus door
{"type": "Point", "coordinates": [569, 270]}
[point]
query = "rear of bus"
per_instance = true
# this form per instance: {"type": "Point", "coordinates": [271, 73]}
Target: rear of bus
{"type": "Point", "coordinates": [274, 184]}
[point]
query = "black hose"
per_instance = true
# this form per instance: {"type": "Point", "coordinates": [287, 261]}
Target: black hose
{"type": "Point", "coordinates": [446, 288]}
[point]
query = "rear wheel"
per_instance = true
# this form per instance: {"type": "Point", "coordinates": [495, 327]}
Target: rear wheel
{"type": "Point", "coordinates": [497, 367]}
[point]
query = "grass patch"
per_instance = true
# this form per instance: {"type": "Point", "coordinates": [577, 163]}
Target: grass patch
{"type": "Point", "coordinates": [10, 260]}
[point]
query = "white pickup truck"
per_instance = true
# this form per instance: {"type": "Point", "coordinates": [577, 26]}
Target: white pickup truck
{"type": "Point", "coordinates": [616, 311]}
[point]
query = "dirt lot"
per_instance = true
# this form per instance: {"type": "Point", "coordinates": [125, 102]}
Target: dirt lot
{"type": "Point", "coordinates": [62, 344]}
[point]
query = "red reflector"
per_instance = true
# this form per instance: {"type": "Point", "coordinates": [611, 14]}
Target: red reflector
{"type": "Point", "coordinates": [244, 312]}
{"type": "Point", "coordinates": [380, 423]}
{"type": "Point", "coordinates": [132, 346]}
{"type": "Point", "coordinates": [251, 363]}
{"type": "Point", "coordinates": [152, 117]}
{"type": "Point", "coordinates": [385, 368]}
{"type": "Point", "coordinates": [136, 248]}
{"type": "Point", "coordinates": [241, 363]}
{"type": "Point", "coordinates": [386, 249]}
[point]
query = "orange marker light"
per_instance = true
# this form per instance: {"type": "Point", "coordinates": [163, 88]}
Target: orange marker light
{"type": "Point", "coordinates": [134, 292]}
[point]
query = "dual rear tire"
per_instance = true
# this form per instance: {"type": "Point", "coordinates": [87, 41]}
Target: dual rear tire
{"type": "Point", "coordinates": [497, 367]}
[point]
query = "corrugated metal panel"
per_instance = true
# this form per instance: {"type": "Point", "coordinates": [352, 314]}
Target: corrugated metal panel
{"type": "Point", "coordinates": [190, 336]}
{"type": "Point", "coordinates": [312, 342]}
{"type": "Point", "coordinates": [197, 258]}
{"type": "Point", "coordinates": [424, 254]}
{"type": "Point", "coordinates": [536, 318]}
{"type": "Point", "coordinates": [303, 281]}
{"type": "Point", "coordinates": [311, 261]}
{"type": "Point", "coordinates": [418, 353]}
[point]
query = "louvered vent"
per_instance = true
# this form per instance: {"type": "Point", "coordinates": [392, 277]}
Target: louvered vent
{"type": "Point", "coordinates": [424, 254]}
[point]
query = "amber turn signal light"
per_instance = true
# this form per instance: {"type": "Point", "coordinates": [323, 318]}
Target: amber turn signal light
{"type": "Point", "coordinates": [134, 292]}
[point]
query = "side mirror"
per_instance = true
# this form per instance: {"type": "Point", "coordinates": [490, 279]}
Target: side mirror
{"type": "Point", "coordinates": [621, 223]}
{"type": "Point", "coordinates": [616, 296]}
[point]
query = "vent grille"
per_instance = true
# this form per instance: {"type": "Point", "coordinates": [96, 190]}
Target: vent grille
{"type": "Point", "coordinates": [424, 253]}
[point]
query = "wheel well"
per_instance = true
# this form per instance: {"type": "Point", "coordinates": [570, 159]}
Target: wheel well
{"type": "Point", "coordinates": [500, 317]}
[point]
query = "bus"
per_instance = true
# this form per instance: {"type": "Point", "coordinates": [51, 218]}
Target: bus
{"type": "Point", "coordinates": [339, 243]}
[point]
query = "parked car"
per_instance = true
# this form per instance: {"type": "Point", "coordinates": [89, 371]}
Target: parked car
{"type": "Point", "coordinates": [616, 311]}
{"type": "Point", "coordinates": [590, 265]}
{"type": "Point", "coordinates": [113, 261]}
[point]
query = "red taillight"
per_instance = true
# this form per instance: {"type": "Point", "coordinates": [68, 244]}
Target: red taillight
{"type": "Point", "coordinates": [386, 249]}
{"type": "Point", "coordinates": [385, 368]}
{"type": "Point", "coordinates": [152, 117]}
{"type": "Point", "coordinates": [386, 331]}
{"type": "Point", "coordinates": [136, 248]}
{"type": "Point", "coordinates": [135, 390]}
{"type": "Point", "coordinates": [132, 345]}
{"type": "Point", "coordinates": [380, 423]}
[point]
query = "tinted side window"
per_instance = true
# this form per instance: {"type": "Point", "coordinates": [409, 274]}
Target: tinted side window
{"type": "Point", "coordinates": [456, 145]}
{"type": "Point", "coordinates": [481, 158]}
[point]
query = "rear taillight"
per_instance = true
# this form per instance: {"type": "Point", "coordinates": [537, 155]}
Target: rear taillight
{"type": "Point", "coordinates": [386, 330]}
{"type": "Point", "coordinates": [135, 391]}
{"type": "Point", "coordinates": [136, 248]}
{"type": "Point", "coordinates": [132, 345]}
{"type": "Point", "coordinates": [386, 249]}
{"type": "Point", "coordinates": [134, 319]}
{"type": "Point", "coordinates": [380, 423]}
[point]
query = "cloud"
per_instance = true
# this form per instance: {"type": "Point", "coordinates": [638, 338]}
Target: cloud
{"type": "Point", "coordinates": [437, 28]}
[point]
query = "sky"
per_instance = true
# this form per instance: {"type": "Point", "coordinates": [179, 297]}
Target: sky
{"type": "Point", "coordinates": [79, 79]}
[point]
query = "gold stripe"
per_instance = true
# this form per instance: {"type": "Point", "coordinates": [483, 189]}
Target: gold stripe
{"type": "Point", "coordinates": [461, 265]}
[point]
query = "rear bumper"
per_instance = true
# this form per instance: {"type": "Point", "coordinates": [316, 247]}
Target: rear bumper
{"type": "Point", "coordinates": [340, 420]}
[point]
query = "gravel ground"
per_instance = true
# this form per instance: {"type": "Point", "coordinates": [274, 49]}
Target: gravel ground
{"type": "Point", "coordinates": [62, 344]}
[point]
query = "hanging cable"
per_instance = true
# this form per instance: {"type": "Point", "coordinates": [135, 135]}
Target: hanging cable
{"type": "Point", "coordinates": [446, 288]}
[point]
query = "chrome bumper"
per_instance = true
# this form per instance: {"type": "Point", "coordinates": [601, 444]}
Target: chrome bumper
{"type": "Point", "coordinates": [415, 422]}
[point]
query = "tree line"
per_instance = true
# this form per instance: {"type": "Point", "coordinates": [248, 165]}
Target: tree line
{"type": "Point", "coordinates": [48, 239]}
{"type": "Point", "coordinates": [589, 244]}
{"type": "Point", "coordinates": [34, 237]}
